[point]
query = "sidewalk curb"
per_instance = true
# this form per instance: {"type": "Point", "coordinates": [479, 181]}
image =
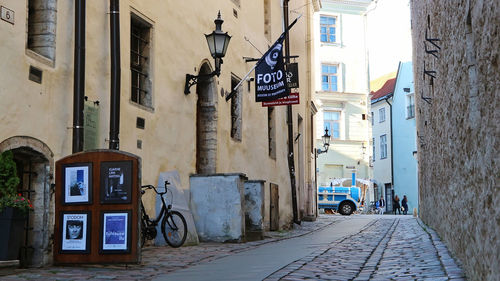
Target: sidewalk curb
{"type": "Point", "coordinates": [451, 266]}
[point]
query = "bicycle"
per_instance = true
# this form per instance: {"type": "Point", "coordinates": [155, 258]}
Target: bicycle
{"type": "Point", "coordinates": [173, 224]}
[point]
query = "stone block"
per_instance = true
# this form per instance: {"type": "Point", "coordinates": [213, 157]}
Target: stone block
{"type": "Point", "coordinates": [218, 206]}
{"type": "Point", "coordinates": [254, 209]}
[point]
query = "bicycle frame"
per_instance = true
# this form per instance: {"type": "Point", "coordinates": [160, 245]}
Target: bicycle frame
{"type": "Point", "coordinates": [164, 206]}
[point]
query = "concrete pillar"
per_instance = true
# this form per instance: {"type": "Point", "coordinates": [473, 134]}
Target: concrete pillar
{"type": "Point", "coordinates": [254, 210]}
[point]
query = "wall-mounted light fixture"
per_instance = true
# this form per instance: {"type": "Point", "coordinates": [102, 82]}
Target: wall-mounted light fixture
{"type": "Point", "coordinates": [326, 142]}
{"type": "Point", "coordinates": [217, 43]}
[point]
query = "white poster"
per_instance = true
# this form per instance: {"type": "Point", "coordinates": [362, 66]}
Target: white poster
{"type": "Point", "coordinates": [76, 184]}
{"type": "Point", "coordinates": [74, 236]}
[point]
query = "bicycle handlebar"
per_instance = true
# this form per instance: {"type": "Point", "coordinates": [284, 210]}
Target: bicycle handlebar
{"type": "Point", "coordinates": [148, 186]}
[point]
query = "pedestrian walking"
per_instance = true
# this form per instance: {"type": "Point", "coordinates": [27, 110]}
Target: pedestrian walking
{"type": "Point", "coordinates": [397, 207]}
{"type": "Point", "coordinates": [381, 205]}
{"type": "Point", "coordinates": [404, 204]}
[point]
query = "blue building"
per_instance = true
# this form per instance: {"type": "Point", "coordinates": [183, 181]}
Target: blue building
{"type": "Point", "coordinates": [404, 137]}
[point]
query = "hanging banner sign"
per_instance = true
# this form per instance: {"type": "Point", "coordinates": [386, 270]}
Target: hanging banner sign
{"type": "Point", "coordinates": [293, 98]}
{"type": "Point", "coordinates": [292, 75]}
{"type": "Point", "coordinates": [270, 77]}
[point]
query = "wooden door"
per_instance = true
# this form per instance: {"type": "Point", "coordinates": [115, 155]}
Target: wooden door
{"type": "Point", "coordinates": [275, 214]}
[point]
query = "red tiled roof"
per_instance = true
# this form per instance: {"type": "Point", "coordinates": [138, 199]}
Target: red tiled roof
{"type": "Point", "coordinates": [388, 88]}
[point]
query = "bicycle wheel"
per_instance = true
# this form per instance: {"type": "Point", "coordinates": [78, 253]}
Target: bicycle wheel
{"type": "Point", "coordinates": [174, 229]}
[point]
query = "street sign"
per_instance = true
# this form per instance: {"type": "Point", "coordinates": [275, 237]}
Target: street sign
{"type": "Point", "coordinates": [7, 14]}
{"type": "Point", "coordinates": [292, 75]}
{"type": "Point", "coordinates": [293, 98]}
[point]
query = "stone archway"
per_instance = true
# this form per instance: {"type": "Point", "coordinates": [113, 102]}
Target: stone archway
{"type": "Point", "coordinates": [35, 164]}
{"type": "Point", "coordinates": [206, 124]}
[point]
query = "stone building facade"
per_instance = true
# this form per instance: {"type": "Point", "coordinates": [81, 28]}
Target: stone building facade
{"type": "Point", "coordinates": [160, 42]}
{"type": "Point", "coordinates": [457, 87]}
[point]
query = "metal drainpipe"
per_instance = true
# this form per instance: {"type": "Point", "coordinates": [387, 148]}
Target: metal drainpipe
{"type": "Point", "coordinates": [114, 122]}
{"type": "Point", "coordinates": [291, 156]}
{"type": "Point", "coordinates": [79, 76]}
{"type": "Point", "coordinates": [392, 154]}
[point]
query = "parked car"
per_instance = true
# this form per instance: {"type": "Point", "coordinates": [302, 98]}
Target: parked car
{"type": "Point", "coordinates": [344, 200]}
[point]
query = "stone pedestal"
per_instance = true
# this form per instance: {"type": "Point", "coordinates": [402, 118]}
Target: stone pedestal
{"type": "Point", "coordinates": [254, 210]}
{"type": "Point", "coordinates": [218, 206]}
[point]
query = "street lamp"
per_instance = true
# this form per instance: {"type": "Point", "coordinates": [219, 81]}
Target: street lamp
{"type": "Point", "coordinates": [217, 43]}
{"type": "Point", "coordinates": [326, 142]}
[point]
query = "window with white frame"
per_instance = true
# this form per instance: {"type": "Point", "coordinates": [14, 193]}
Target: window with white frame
{"type": "Point", "coordinates": [410, 106]}
{"type": "Point", "coordinates": [329, 77]}
{"type": "Point", "coordinates": [328, 29]}
{"type": "Point", "coordinates": [373, 148]}
{"type": "Point", "coordinates": [383, 146]}
{"type": "Point", "coordinates": [373, 117]}
{"type": "Point", "coordinates": [331, 121]}
{"type": "Point", "coordinates": [381, 115]}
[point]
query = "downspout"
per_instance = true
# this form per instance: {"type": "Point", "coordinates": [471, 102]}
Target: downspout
{"type": "Point", "coordinates": [114, 121]}
{"type": "Point", "coordinates": [79, 76]}
{"type": "Point", "coordinates": [392, 154]}
{"type": "Point", "coordinates": [291, 156]}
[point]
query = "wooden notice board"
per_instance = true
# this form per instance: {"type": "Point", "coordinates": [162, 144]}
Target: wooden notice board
{"type": "Point", "coordinates": [97, 208]}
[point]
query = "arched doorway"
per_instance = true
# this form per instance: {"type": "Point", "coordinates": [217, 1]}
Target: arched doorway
{"type": "Point", "coordinates": [206, 124]}
{"type": "Point", "coordinates": [34, 161]}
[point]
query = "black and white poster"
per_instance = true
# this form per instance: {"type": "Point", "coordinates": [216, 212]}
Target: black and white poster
{"type": "Point", "coordinates": [75, 232]}
{"type": "Point", "coordinates": [116, 182]}
{"type": "Point", "coordinates": [270, 75]}
{"type": "Point", "coordinates": [77, 183]}
{"type": "Point", "coordinates": [115, 231]}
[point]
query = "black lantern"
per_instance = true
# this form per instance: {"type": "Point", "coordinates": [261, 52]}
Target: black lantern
{"type": "Point", "coordinates": [326, 142]}
{"type": "Point", "coordinates": [217, 44]}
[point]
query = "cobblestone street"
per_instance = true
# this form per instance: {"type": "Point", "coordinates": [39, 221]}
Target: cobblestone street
{"type": "Point", "coordinates": [385, 248]}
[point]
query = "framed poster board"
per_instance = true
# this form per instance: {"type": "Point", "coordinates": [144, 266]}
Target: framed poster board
{"type": "Point", "coordinates": [77, 183]}
{"type": "Point", "coordinates": [75, 236]}
{"type": "Point", "coordinates": [115, 232]}
{"type": "Point", "coordinates": [116, 182]}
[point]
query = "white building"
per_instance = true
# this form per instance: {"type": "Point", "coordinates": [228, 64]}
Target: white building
{"type": "Point", "coordinates": [381, 101]}
{"type": "Point", "coordinates": [341, 91]}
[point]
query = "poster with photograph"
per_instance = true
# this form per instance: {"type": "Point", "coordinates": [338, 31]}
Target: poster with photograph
{"type": "Point", "coordinates": [75, 232]}
{"type": "Point", "coordinates": [116, 182]}
{"type": "Point", "coordinates": [77, 183]}
{"type": "Point", "coordinates": [115, 231]}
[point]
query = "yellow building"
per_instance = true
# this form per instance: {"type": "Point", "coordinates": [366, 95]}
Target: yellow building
{"type": "Point", "coordinates": [160, 42]}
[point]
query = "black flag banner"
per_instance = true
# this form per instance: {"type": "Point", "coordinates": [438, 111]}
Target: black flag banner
{"type": "Point", "coordinates": [270, 76]}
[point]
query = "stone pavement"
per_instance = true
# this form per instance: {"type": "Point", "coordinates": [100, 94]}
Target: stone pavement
{"type": "Point", "coordinates": [388, 247]}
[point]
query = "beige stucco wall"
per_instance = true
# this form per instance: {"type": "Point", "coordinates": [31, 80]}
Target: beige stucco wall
{"type": "Point", "coordinates": [459, 130]}
{"type": "Point", "coordinates": [44, 111]}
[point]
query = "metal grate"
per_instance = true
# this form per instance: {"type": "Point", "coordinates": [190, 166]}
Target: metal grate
{"type": "Point", "coordinates": [139, 56]}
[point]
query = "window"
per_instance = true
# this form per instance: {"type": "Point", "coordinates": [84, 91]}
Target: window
{"type": "Point", "coordinates": [236, 111]}
{"type": "Point", "coordinates": [410, 106]}
{"type": "Point", "coordinates": [373, 117]}
{"type": "Point", "coordinates": [329, 77]}
{"type": "Point", "coordinates": [328, 29]}
{"type": "Point", "coordinates": [383, 146]}
{"type": "Point", "coordinates": [42, 27]}
{"type": "Point", "coordinates": [373, 148]}
{"type": "Point", "coordinates": [140, 52]}
{"type": "Point", "coordinates": [271, 132]}
{"type": "Point", "coordinates": [332, 123]}
{"type": "Point", "coordinates": [381, 115]}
